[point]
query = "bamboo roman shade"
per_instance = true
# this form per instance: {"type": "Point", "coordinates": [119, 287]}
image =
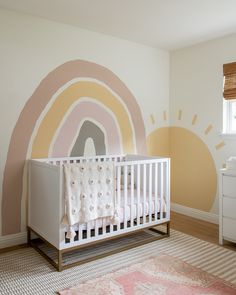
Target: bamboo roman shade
{"type": "Point", "coordinates": [229, 80]}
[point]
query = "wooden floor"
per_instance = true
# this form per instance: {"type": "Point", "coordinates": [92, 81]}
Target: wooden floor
{"type": "Point", "coordinates": [198, 228]}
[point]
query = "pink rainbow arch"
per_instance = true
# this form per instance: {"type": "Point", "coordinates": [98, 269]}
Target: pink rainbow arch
{"type": "Point", "coordinates": [70, 127]}
{"type": "Point", "coordinates": [21, 135]}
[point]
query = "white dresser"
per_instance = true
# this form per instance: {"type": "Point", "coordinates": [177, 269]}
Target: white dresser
{"type": "Point", "coordinates": [227, 205]}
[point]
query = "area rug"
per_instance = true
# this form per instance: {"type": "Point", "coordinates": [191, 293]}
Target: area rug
{"type": "Point", "coordinates": [162, 275]}
{"type": "Point", "coordinates": [25, 272]}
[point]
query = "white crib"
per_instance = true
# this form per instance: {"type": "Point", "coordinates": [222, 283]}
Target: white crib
{"type": "Point", "coordinates": [143, 197]}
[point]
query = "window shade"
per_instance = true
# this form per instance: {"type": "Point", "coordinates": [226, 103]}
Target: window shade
{"type": "Point", "coordinates": [229, 80]}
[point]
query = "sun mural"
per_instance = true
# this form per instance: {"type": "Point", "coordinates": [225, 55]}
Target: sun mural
{"type": "Point", "coordinates": [193, 171]}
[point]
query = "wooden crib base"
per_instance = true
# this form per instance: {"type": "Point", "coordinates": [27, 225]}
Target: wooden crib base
{"type": "Point", "coordinates": [59, 258]}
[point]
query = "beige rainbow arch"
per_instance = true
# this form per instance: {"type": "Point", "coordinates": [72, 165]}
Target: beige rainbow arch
{"type": "Point", "coordinates": [110, 116]}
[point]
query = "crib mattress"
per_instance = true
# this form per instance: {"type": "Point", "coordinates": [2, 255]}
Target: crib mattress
{"type": "Point", "coordinates": [125, 212]}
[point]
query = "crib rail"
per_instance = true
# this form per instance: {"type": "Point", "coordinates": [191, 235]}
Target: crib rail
{"type": "Point", "coordinates": [66, 160]}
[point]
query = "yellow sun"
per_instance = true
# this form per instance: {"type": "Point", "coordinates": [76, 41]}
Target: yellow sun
{"type": "Point", "coordinates": [193, 171]}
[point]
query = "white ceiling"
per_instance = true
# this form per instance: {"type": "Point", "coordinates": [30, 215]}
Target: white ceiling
{"type": "Point", "coordinates": [167, 24]}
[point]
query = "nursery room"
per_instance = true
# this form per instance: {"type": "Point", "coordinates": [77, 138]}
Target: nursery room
{"type": "Point", "coordinates": [118, 147]}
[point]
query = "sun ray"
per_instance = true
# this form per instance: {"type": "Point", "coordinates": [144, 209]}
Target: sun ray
{"type": "Point", "coordinates": [180, 115]}
{"type": "Point", "coordinates": [194, 120]}
{"type": "Point", "coordinates": [164, 116]}
{"type": "Point", "coordinates": [220, 145]}
{"type": "Point", "coordinates": [208, 129]}
{"type": "Point", "coordinates": [153, 121]}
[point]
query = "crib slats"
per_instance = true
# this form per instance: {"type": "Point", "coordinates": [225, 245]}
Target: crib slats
{"type": "Point", "coordinates": [161, 190]}
{"type": "Point", "coordinates": [132, 196]}
{"type": "Point", "coordinates": [150, 193]}
{"type": "Point", "coordinates": [125, 195]}
{"type": "Point", "coordinates": [144, 192]}
{"type": "Point", "coordinates": [96, 225]}
{"type": "Point", "coordinates": [155, 191]}
{"type": "Point", "coordinates": [109, 159]}
{"type": "Point", "coordinates": [103, 226]}
{"type": "Point", "coordinates": [167, 191]}
{"type": "Point", "coordinates": [118, 193]}
{"type": "Point", "coordinates": [96, 228]}
{"type": "Point", "coordinates": [138, 195]}
{"type": "Point", "coordinates": [88, 234]}
{"type": "Point", "coordinates": [141, 196]}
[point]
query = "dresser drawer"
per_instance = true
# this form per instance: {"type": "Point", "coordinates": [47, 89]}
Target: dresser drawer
{"type": "Point", "coordinates": [229, 186]}
{"type": "Point", "coordinates": [229, 207]}
{"type": "Point", "coordinates": [229, 228]}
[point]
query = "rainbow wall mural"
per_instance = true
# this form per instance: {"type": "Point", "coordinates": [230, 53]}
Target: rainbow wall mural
{"type": "Point", "coordinates": [83, 108]}
{"type": "Point", "coordinates": [79, 106]}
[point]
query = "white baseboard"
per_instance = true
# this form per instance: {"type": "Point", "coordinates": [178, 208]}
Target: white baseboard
{"type": "Point", "coordinates": [13, 240]}
{"type": "Point", "coordinates": [195, 213]}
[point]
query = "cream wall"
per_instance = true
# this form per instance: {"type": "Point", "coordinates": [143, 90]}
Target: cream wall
{"type": "Point", "coordinates": [196, 88]}
{"type": "Point", "coordinates": [32, 47]}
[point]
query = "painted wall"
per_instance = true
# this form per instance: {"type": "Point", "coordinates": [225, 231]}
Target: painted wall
{"type": "Point", "coordinates": [61, 86]}
{"type": "Point", "coordinates": [68, 91]}
{"type": "Point", "coordinates": [196, 117]}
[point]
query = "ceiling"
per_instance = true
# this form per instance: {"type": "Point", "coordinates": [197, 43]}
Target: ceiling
{"type": "Point", "coordinates": [167, 24]}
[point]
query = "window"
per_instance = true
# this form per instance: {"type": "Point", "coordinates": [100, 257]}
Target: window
{"type": "Point", "coordinates": [229, 94]}
{"type": "Point", "coordinates": [229, 116]}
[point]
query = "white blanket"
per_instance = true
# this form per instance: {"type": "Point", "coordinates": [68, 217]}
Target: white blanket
{"type": "Point", "coordinates": [89, 192]}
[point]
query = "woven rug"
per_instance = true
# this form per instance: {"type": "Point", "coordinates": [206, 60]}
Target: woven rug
{"type": "Point", "coordinates": [163, 275]}
{"type": "Point", "coordinates": [25, 272]}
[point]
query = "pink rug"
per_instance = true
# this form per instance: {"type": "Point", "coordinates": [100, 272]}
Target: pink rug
{"type": "Point", "coordinates": [162, 275]}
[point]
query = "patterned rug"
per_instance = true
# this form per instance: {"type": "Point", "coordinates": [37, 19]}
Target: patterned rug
{"type": "Point", "coordinates": [25, 272]}
{"type": "Point", "coordinates": [162, 275]}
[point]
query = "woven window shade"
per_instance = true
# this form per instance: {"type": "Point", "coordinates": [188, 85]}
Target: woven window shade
{"type": "Point", "coordinates": [229, 80]}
